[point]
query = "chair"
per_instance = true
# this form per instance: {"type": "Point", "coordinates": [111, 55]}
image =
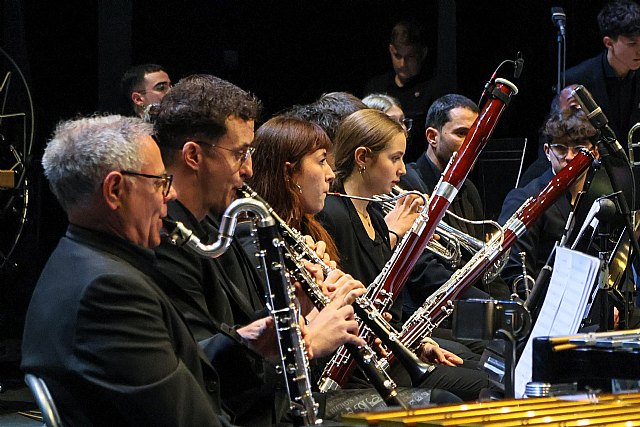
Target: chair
{"type": "Point", "coordinates": [43, 399]}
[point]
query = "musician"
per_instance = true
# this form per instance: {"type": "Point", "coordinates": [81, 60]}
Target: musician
{"type": "Point", "coordinates": [612, 76]}
{"type": "Point", "coordinates": [567, 131]}
{"type": "Point", "coordinates": [306, 178]}
{"type": "Point", "coordinates": [106, 339]}
{"type": "Point", "coordinates": [143, 85]}
{"type": "Point", "coordinates": [413, 82]}
{"type": "Point", "coordinates": [560, 102]}
{"type": "Point", "coordinates": [448, 121]}
{"type": "Point", "coordinates": [205, 130]}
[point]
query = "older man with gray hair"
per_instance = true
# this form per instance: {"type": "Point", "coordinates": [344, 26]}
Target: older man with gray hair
{"type": "Point", "coordinates": [99, 330]}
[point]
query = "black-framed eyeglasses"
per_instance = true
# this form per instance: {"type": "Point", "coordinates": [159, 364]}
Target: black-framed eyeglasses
{"type": "Point", "coordinates": [162, 87]}
{"type": "Point", "coordinates": [166, 179]}
{"type": "Point", "coordinates": [561, 150]}
{"type": "Point", "coordinates": [240, 155]}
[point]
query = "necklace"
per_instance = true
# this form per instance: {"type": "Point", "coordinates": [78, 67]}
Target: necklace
{"type": "Point", "coordinates": [365, 217]}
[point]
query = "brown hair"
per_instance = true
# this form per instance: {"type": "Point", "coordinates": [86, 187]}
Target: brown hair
{"type": "Point", "coordinates": [569, 126]}
{"type": "Point", "coordinates": [371, 129]}
{"type": "Point", "coordinates": [278, 141]}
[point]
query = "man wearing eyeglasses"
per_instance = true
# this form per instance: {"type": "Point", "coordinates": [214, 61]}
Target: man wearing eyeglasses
{"type": "Point", "coordinates": [568, 131]}
{"type": "Point", "coordinates": [144, 85]}
{"type": "Point", "coordinates": [105, 338]}
{"type": "Point", "coordinates": [205, 127]}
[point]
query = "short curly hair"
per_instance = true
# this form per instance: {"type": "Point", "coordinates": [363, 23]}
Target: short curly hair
{"type": "Point", "coordinates": [569, 126]}
{"type": "Point", "coordinates": [619, 18]}
{"type": "Point", "coordinates": [197, 107]}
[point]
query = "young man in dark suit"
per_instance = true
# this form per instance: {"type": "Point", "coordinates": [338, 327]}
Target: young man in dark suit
{"type": "Point", "coordinates": [612, 76]}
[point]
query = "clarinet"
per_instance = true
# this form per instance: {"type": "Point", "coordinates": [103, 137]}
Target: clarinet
{"type": "Point", "coordinates": [296, 251]}
{"type": "Point", "coordinates": [294, 363]}
{"type": "Point", "coordinates": [439, 305]}
{"type": "Point", "coordinates": [387, 286]}
{"type": "Point", "coordinates": [282, 304]}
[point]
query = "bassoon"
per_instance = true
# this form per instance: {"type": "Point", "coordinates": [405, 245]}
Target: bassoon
{"type": "Point", "coordinates": [439, 305]}
{"type": "Point", "coordinates": [387, 286]}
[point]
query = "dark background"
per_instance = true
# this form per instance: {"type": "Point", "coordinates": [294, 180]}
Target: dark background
{"type": "Point", "coordinates": [286, 52]}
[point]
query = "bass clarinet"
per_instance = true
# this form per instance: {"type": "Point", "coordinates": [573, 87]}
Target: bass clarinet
{"type": "Point", "coordinates": [387, 286]}
{"type": "Point", "coordinates": [294, 363]}
{"type": "Point", "coordinates": [439, 305]}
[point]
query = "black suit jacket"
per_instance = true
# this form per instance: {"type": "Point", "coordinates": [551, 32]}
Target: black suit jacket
{"type": "Point", "coordinates": [538, 241]}
{"type": "Point", "coordinates": [217, 291]}
{"type": "Point", "coordinates": [467, 203]}
{"type": "Point", "coordinates": [421, 176]}
{"type": "Point", "coordinates": [591, 74]}
{"type": "Point", "coordinates": [109, 343]}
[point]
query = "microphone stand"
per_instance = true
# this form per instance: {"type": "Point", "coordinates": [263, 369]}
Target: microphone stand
{"type": "Point", "coordinates": [604, 142]}
{"type": "Point", "coordinates": [562, 57]}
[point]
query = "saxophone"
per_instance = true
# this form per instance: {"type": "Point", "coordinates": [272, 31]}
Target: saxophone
{"type": "Point", "coordinates": [439, 305]}
{"type": "Point", "coordinates": [387, 286]}
{"type": "Point", "coordinates": [294, 363]}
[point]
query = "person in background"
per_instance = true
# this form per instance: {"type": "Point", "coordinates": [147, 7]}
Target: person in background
{"type": "Point", "coordinates": [390, 106]}
{"type": "Point", "coordinates": [410, 82]}
{"type": "Point", "coordinates": [144, 85]}
{"type": "Point", "coordinates": [448, 121]}
{"type": "Point", "coordinates": [612, 76]}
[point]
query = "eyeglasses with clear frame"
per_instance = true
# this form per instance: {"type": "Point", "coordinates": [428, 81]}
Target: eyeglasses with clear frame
{"type": "Point", "coordinates": [561, 150]}
{"type": "Point", "coordinates": [240, 155]}
{"type": "Point", "coordinates": [166, 179]}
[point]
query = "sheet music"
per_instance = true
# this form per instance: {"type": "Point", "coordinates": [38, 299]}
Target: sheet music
{"type": "Point", "coordinates": [574, 274]}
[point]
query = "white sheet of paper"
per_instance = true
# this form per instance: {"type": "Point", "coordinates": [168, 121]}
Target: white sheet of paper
{"type": "Point", "coordinates": [574, 274]}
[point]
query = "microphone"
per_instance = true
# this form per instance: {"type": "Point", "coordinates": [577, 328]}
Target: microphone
{"type": "Point", "coordinates": [518, 64]}
{"type": "Point", "coordinates": [595, 115]}
{"type": "Point", "coordinates": [603, 209]}
{"type": "Point", "coordinates": [559, 19]}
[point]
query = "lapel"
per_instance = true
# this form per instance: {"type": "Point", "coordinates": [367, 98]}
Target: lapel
{"type": "Point", "coordinates": [143, 260]}
{"type": "Point", "coordinates": [232, 290]}
{"type": "Point", "coordinates": [427, 174]}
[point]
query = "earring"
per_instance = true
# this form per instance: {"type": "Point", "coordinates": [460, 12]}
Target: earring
{"type": "Point", "coordinates": [361, 169]}
{"type": "Point", "coordinates": [299, 188]}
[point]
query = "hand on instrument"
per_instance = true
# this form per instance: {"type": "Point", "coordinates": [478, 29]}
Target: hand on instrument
{"type": "Point", "coordinates": [403, 215]}
{"type": "Point", "coordinates": [340, 285]}
{"type": "Point", "coordinates": [434, 354]}
{"type": "Point", "coordinates": [261, 337]}
{"type": "Point", "coordinates": [307, 308]}
{"type": "Point", "coordinates": [320, 248]}
{"type": "Point", "coordinates": [335, 324]}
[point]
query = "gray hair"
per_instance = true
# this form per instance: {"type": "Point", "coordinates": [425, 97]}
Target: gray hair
{"type": "Point", "coordinates": [381, 101]}
{"type": "Point", "coordinates": [83, 151]}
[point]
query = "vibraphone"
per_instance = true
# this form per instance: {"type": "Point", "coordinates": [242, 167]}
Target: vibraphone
{"type": "Point", "coordinates": [602, 410]}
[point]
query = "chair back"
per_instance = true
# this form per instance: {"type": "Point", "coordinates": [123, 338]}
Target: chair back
{"type": "Point", "coordinates": [43, 399]}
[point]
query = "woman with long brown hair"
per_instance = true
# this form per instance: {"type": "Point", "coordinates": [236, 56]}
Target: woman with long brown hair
{"type": "Point", "coordinates": [291, 173]}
